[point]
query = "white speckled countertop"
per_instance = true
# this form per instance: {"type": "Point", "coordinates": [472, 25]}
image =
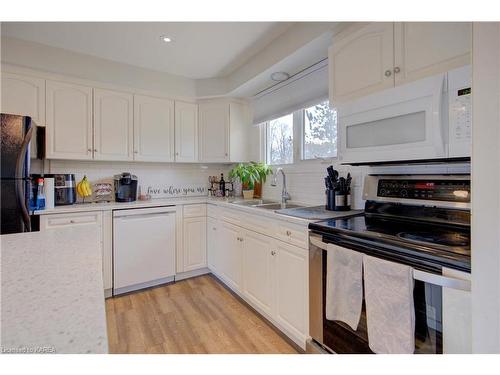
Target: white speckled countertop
{"type": "Point", "coordinates": [223, 202]}
{"type": "Point", "coordinates": [52, 292]}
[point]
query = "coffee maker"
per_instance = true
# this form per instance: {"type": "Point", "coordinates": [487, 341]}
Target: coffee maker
{"type": "Point", "coordinates": [125, 187]}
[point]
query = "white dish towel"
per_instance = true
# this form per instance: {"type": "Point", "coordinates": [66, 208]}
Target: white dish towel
{"type": "Point", "coordinates": [390, 312]}
{"type": "Point", "coordinates": [344, 285]}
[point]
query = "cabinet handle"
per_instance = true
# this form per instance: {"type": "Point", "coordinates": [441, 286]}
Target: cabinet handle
{"type": "Point", "coordinates": [136, 152]}
{"type": "Point", "coordinates": [288, 233]}
{"type": "Point", "coordinates": [214, 228]}
{"type": "Point", "coordinates": [89, 150]}
{"type": "Point", "coordinates": [95, 149]}
{"type": "Point", "coordinates": [72, 221]}
{"type": "Point", "coordinates": [176, 154]}
{"type": "Point", "coordinates": [397, 70]}
{"type": "Point", "coordinates": [388, 73]}
{"type": "Point", "coordinates": [225, 154]}
{"type": "Point", "coordinates": [273, 253]}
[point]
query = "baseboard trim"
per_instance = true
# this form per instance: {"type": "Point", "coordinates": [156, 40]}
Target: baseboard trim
{"type": "Point", "coordinates": [190, 274]}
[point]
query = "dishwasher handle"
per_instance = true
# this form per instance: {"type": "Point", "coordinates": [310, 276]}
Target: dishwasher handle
{"type": "Point", "coordinates": [426, 277]}
{"type": "Point", "coordinates": [142, 216]}
{"type": "Point", "coordinates": [143, 211]}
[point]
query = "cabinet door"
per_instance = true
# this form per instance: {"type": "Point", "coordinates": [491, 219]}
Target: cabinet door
{"type": "Point", "coordinates": [362, 62]}
{"type": "Point", "coordinates": [153, 129]}
{"type": "Point", "coordinates": [230, 255]}
{"type": "Point", "coordinates": [186, 132]}
{"type": "Point", "coordinates": [113, 125]}
{"type": "Point", "coordinates": [258, 256]}
{"type": "Point", "coordinates": [24, 95]}
{"type": "Point", "coordinates": [212, 245]}
{"type": "Point", "coordinates": [427, 48]}
{"type": "Point", "coordinates": [291, 283]}
{"type": "Point", "coordinates": [69, 121]}
{"type": "Point", "coordinates": [214, 131]}
{"type": "Point", "coordinates": [195, 243]}
{"type": "Point", "coordinates": [244, 137]}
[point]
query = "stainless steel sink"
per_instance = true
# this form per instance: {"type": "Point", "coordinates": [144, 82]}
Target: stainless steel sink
{"type": "Point", "coordinates": [278, 206]}
{"type": "Point", "coordinates": [253, 202]}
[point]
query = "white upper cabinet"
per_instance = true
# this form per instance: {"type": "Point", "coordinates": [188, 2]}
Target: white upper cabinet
{"type": "Point", "coordinates": [244, 137]}
{"type": "Point", "coordinates": [362, 62]}
{"type": "Point", "coordinates": [214, 131]}
{"type": "Point", "coordinates": [113, 125]}
{"type": "Point", "coordinates": [383, 55]}
{"type": "Point", "coordinates": [226, 133]}
{"type": "Point", "coordinates": [186, 132]}
{"type": "Point", "coordinates": [69, 121]}
{"type": "Point", "coordinates": [427, 48]}
{"type": "Point", "coordinates": [24, 95]}
{"type": "Point", "coordinates": [153, 129]}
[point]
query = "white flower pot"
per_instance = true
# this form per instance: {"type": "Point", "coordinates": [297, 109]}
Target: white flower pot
{"type": "Point", "coordinates": [248, 194]}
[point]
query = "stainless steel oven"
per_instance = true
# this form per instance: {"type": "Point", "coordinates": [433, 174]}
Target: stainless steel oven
{"type": "Point", "coordinates": [439, 256]}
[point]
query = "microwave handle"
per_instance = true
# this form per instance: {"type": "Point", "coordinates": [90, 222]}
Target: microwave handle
{"type": "Point", "coordinates": [438, 115]}
{"type": "Point", "coordinates": [426, 277]}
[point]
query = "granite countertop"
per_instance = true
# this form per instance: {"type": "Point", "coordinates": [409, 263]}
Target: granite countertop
{"type": "Point", "coordinates": [52, 292]}
{"type": "Point", "coordinates": [284, 215]}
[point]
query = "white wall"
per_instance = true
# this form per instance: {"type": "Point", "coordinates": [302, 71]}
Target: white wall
{"type": "Point", "coordinates": [305, 179]}
{"type": "Point", "coordinates": [485, 188]}
{"type": "Point", "coordinates": [148, 174]}
{"type": "Point", "coordinates": [60, 61]}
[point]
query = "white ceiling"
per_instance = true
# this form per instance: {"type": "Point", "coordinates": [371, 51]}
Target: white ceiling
{"type": "Point", "coordinates": [198, 50]}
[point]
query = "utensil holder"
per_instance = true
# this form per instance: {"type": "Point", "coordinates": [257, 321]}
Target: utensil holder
{"type": "Point", "coordinates": [337, 201]}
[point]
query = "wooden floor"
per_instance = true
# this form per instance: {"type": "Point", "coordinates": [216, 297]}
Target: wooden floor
{"type": "Point", "coordinates": [197, 315]}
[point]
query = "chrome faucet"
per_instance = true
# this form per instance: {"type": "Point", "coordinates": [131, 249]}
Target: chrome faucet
{"type": "Point", "coordinates": [284, 194]}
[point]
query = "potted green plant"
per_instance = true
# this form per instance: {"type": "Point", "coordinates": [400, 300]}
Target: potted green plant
{"type": "Point", "coordinates": [249, 174]}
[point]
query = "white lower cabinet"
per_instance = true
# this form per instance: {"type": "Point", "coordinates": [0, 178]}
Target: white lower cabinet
{"type": "Point", "coordinates": [212, 244]}
{"type": "Point", "coordinates": [258, 265]}
{"type": "Point", "coordinates": [195, 243]}
{"type": "Point", "coordinates": [230, 255]}
{"type": "Point", "coordinates": [270, 274]}
{"type": "Point", "coordinates": [102, 220]}
{"type": "Point", "coordinates": [291, 276]}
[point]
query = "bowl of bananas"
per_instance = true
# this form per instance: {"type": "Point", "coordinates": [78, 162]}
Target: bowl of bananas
{"type": "Point", "coordinates": [84, 189]}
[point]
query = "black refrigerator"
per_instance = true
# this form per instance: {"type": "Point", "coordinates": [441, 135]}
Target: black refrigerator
{"type": "Point", "coordinates": [16, 132]}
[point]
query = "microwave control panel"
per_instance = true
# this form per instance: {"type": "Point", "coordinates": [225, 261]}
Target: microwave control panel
{"type": "Point", "coordinates": [460, 114]}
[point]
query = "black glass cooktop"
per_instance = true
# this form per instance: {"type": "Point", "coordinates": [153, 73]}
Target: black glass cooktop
{"type": "Point", "coordinates": [451, 244]}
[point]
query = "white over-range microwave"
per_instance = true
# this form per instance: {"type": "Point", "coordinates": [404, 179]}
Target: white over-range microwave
{"type": "Point", "coordinates": [423, 120]}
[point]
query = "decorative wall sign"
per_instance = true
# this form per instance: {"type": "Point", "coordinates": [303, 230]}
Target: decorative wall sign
{"type": "Point", "coordinates": [171, 191]}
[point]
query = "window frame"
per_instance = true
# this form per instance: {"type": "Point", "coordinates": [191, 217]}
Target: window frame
{"type": "Point", "coordinates": [298, 138]}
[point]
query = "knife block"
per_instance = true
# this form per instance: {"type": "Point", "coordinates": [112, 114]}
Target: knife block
{"type": "Point", "coordinates": [336, 201]}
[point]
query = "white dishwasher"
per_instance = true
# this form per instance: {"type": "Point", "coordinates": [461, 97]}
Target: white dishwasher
{"type": "Point", "coordinates": [143, 248]}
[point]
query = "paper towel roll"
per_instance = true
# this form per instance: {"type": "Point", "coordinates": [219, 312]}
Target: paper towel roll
{"type": "Point", "coordinates": [49, 192]}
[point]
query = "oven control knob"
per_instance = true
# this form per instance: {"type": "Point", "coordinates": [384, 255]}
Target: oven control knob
{"type": "Point", "coordinates": [382, 192]}
{"type": "Point", "coordinates": [404, 193]}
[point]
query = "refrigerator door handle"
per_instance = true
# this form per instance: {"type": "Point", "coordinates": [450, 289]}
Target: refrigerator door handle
{"type": "Point", "coordinates": [20, 189]}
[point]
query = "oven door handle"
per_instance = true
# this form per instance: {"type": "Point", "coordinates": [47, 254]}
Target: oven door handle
{"type": "Point", "coordinates": [427, 277]}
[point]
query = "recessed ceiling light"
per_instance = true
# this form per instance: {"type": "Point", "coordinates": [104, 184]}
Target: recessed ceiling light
{"type": "Point", "coordinates": [166, 39]}
{"type": "Point", "coordinates": [280, 76]}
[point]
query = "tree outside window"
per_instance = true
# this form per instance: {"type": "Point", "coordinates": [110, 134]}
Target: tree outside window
{"type": "Point", "coordinates": [320, 131]}
{"type": "Point", "coordinates": [280, 140]}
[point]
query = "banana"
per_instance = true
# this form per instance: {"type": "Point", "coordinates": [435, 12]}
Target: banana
{"type": "Point", "coordinates": [83, 188]}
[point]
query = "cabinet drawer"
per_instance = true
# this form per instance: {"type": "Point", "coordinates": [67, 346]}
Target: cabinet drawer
{"type": "Point", "coordinates": [64, 220]}
{"type": "Point", "coordinates": [259, 224]}
{"type": "Point", "coordinates": [231, 216]}
{"type": "Point", "coordinates": [293, 234]}
{"type": "Point", "coordinates": [195, 210]}
{"type": "Point", "coordinates": [213, 211]}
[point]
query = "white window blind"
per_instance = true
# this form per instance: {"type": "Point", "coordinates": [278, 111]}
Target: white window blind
{"type": "Point", "coordinates": [292, 94]}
